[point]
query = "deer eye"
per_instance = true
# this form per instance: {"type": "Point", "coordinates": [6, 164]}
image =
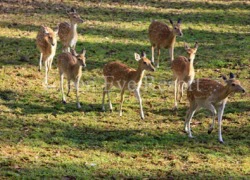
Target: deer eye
{"type": "Point", "coordinates": [175, 27]}
{"type": "Point", "coordinates": [144, 62]}
{"type": "Point", "coordinates": [233, 84]}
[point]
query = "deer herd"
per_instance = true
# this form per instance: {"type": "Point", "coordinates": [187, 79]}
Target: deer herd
{"type": "Point", "coordinates": [201, 93]}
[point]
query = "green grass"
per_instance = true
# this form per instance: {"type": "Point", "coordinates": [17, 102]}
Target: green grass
{"type": "Point", "coordinates": [42, 138]}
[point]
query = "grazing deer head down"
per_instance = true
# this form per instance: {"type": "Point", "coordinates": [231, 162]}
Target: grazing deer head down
{"type": "Point", "coordinates": [211, 95]}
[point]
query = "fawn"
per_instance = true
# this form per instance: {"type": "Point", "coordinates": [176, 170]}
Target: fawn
{"type": "Point", "coordinates": [183, 70]}
{"type": "Point", "coordinates": [210, 95]}
{"type": "Point", "coordinates": [68, 32]}
{"type": "Point", "coordinates": [162, 36]}
{"type": "Point", "coordinates": [46, 43]}
{"type": "Point", "coordinates": [71, 65]}
{"type": "Point", "coordinates": [126, 78]}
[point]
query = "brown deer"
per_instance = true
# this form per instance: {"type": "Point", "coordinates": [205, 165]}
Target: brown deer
{"type": "Point", "coordinates": [125, 78]}
{"type": "Point", "coordinates": [71, 65]}
{"type": "Point", "coordinates": [162, 36]}
{"type": "Point", "coordinates": [68, 31]}
{"type": "Point", "coordinates": [183, 70]}
{"type": "Point", "coordinates": [210, 95]}
{"type": "Point", "coordinates": [46, 43]}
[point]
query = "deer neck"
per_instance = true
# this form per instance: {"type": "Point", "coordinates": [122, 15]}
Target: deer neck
{"type": "Point", "coordinates": [139, 75]}
{"type": "Point", "coordinates": [73, 29]}
{"type": "Point", "coordinates": [191, 64]}
{"type": "Point", "coordinates": [224, 93]}
{"type": "Point", "coordinates": [172, 37]}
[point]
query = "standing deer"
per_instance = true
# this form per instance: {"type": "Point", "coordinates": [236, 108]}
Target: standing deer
{"type": "Point", "coordinates": [126, 78]}
{"type": "Point", "coordinates": [210, 95]}
{"type": "Point", "coordinates": [68, 32]}
{"type": "Point", "coordinates": [46, 43]}
{"type": "Point", "coordinates": [71, 65]}
{"type": "Point", "coordinates": [162, 36]}
{"type": "Point", "coordinates": [183, 70]}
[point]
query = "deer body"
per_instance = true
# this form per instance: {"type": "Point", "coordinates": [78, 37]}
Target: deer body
{"type": "Point", "coordinates": [183, 70]}
{"type": "Point", "coordinates": [162, 36]}
{"type": "Point", "coordinates": [125, 78]}
{"type": "Point", "coordinates": [46, 43]}
{"type": "Point", "coordinates": [68, 31]}
{"type": "Point", "coordinates": [211, 95]}
{"type": "Point", "coordinates": [70, 65]}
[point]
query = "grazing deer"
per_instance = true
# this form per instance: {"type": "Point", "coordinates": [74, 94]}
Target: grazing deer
{"type": "Point", "coordinates": [211, 95]}
{"type": "Point", "coordinates": [126, 78]}
{"type": "Point", "coordinates": [183, 70]}
{"type": "Point", "coordinates": [162, 36]}
{"type": "Point", "coordinates": [46, 43]}
{"type": "Point", "coordinates": [68, 32]}
{"type": "Point", "coordinates": [71, 65]}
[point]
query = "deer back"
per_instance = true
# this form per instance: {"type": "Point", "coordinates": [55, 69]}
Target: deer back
{"type": "Point", "coordinates": [116, 72]}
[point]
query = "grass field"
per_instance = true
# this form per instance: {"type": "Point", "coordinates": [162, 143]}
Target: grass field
{"type": "Point", "coordinates": [42, 138]}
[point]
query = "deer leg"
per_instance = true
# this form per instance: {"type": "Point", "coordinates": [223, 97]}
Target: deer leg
{"type": "Point", "coordinates": [181, 92]}
{"type": "Point", "coordinates": [77, 92]}
{"type": "Point", "coordinates": [40, 62]}
{"type": "Point", "coordinates": [68, 87]}
{"type": "Point", "coordinates": [138, 96]}
{"type": "Point", "coordinates": [122, 99]}
{"type": "Point", "coordinates": [158, 57]}
{"type": "Point", "coordinates": [211, 108]}
{"type": "Point", "coordinates": [110, 104]}
{"type": "Point", "coordinates": [171, 53]}
{"type": "Point", "coordinates": [220, 114]}
{"type": "Point", "coordinates": [175, 93]}
{"type": "Point", "coordinates": [46, 71]}
{"type": "Point", "coordinates": [61, 86]}
{"type": "Point", "coordinates": [189, 116]}
{"type": "Point", "coordinates": [153, 56]}
{"type": "Point", "coordinates": [103, 98]}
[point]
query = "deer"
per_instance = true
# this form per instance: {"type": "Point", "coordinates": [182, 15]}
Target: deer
{"type": "Point", "coordinates": [162, 36]}
{"type": "Point", "coordinates": [68, 31]}
{"type": "Point", "coordinates": [70, 64]}
{"type": "Point", "coordinates": [126, 78]}
{"type": "Point", "coordinates": [183, 70]}
{"type": "Point", "coordinates": [46, 43]}
{"type": "Point", "coordinates": [211, 95]}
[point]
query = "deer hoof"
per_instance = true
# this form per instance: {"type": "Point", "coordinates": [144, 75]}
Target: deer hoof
{"type": "Point", "coordinates": [222, 142]}
{"type": "Point", "coordinates": [209, 131]}
{"type": "Point", "coordinates": [64, 102]}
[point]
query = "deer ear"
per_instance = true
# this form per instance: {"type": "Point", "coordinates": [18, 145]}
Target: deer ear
{"type": "Point", "coordinates": [56, 30]}
{"type": "Point", "coordinates": [73, 52]}
{"type": "Point", "coordinates": [171, 22]}
{"type": "Point", "coordinates": [186, 46]}
{"type": "Point", "coordinates": [231, 75]}
{"type": "Point", "coordinates": [83, 52]}
{"type": "Point", "coordinates": [224, 77]}
{"type": "Point", "coordinates": [196, 45]}
{"type": "Point", "coordinates": [73, 10]}
{"type": "Point", "coordinates": [179, 21]}
{"type": "Point", "coordinates": [143, 54]}
{"type": "Point", "coordinates": [137, 57]}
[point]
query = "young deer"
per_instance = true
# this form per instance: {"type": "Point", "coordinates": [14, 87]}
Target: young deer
{"type": "Point", "coordinates": [68, 32]}
{"type": "Point", "coordinates": [71, 65]}
{"type": "Point", "coordinates": [46, 43]}
{"type": "Point", "coordinates": [162, 36]}
{"type": "Point", "coordinates": [183, 70]}
{"type": "Point", "coordinates": [211, 95]}
{"type": "Point", "coordinates": [126, 78]}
